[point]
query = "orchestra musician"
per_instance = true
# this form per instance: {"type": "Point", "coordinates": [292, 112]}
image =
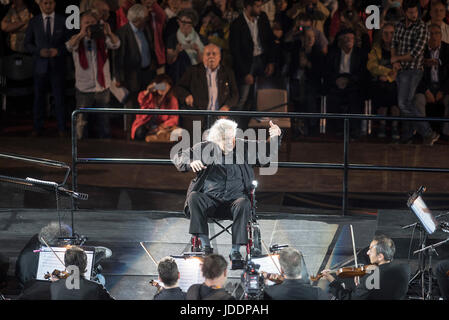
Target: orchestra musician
{"type": "Point", "coordinates": [392, 280]}
{"type": "Point", "coordinates": [223, 182]}
{"type": "Point", "coordinates": [88, 290]}
{"type": "Point", "coordinates": [214, 269]}
{"type": "Point", "coordinates": [169, 276]}
{"type": "Point", "coordinates": [293, 287]}
{"type": "Point", "coordinates": [442, 275]}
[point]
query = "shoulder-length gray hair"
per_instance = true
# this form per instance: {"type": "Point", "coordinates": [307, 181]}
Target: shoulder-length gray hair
{"type": "Point", "coordinates": [222, 129]}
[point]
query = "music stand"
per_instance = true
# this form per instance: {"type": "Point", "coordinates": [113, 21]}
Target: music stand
{"type": "Point", "coordinates": [429, 224]}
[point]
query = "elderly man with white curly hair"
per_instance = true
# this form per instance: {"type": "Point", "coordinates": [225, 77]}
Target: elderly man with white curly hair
{"type": "Point", "coordinates": [224, 180]}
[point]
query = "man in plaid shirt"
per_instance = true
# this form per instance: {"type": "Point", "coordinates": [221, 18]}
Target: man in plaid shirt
{"type": "Point", "coordinates": [407, 55]}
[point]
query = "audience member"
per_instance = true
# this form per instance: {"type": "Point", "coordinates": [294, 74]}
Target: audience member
{"type": "Point", "coordinates": [158, 95]}
{"type": "Point", "coordinates": [88, 290]}
{"type": "Point", "coordinates": [434, 86]}
{"type": "Point", "coordinates": [303, 22]}
{"type": "Point", "coordinates": [45, 39]}
{"type": "Point", "coordinates": [221, 93]}
{"type": "Point", "coordinates": [293, 287]}
{"type": "Point", "coordinates": [185, 47]}
{"type": "Point", "coordinates": [172, 25]}
{"type": "Point", "coordinates": [308, 65]}
{"type": "Point", "coordinates": [214, 271]}
{"type": "Point", "coordinates": [315, 9]}
{"type": "Point", "coordinates": [251, 42]}
{"type": "Point", "coordinates": [345, 77]}
{"type": "Point", "coordinates": [346, 10]}
{"type": "Point", "coordinates": [136, 60]}
{"type": "Point", "coordinates": [228, 12]}
{"type": "Point", "coordinates": [384, 89]}
{"type": "Point", "coordinates": [169, 276]}
{"type": "Point", "coordinates": [171, 8]}
{"type": "Point", "coordinates": [286, 23]}
{"type": "Point", "coordinates": [392, 11]}
{"type": "Point", "coordinates": [15, 24]}
{"type": "Point", "coordinates": [407, 55]}
{"type": "Point", "coordinates": [157, 20]}
{"type": "Point", "coordinates": [121, 14]}
{"type": "Point", "coordinates": [90, 56]}
{"type": "Point", "coordinates": [216, 30]}
{"type": "Point", "coordinates": [438, 14]}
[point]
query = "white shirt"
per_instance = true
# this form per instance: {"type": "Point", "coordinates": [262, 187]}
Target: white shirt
{"type": "Point", "coordinates": [212, 88]}
{"type": "Point", "coordinates": [435, 54]}
{"type": "Point", "coordinates": [86, 80]}
{"type": "Point", "coordinates": [52, 21]}
{"type": "Point", "coordinates": [254, 30]}
{"type": "Point", "coordinates": [345, 62]}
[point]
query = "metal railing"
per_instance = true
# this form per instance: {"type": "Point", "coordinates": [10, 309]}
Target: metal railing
{"type": "Point", "coordinates": [345, 165]}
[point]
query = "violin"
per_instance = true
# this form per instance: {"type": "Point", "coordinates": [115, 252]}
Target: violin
{"type": "Point", "coordinates": [345, 273]}
{"type": "Point", "coordinates": [156, 284]}
{"type": "Point", "coordinates": [58, 274]}
{"type": "Point", "coordinates": [274, 277]}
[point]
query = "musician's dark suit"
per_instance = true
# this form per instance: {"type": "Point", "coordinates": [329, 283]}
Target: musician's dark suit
{"type": "Point", "coordinates": [393, 285]}
{"type": "Point", "coordinates": [295, 289]}
{"type": "Point", "coordinates": [27, 262]}
{"type": "Point", "coordinates": [170, 294]}
{"type": "Point", "coordinates": [36, 290]}
{"type": "Point", "coordinates": [48, 70]}
{"type": "Point", "coordinates": [89, 290]}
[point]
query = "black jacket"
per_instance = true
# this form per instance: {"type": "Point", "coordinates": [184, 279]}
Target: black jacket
{"type": "Point", "coordinates": [443, 71]}
{"type": "Point", "coordinates": [36, 290]}
{"type": "Point", "coordinates": [183, 159]}
{"type": "Point", "coordinates": [89, 290]}
{"type": "Point", "coordinates": [27, 262]}
{"type": "Point", "coordinates": [203, 292]}
{"type": "Point", "coordinates": [170, 294]}
{"type": "Point", "coordinates": [127, 56]}
{"type": "Point", "coordinates": [393, 285]}
{"type": "Point", "coordinates": [358, 71]}
{"type": "Point", "coordinates": [194, 82]}
{"type": "Point", "coordinates": [292, 289]}
{"type": "Point", "coordinates": [242, 46]}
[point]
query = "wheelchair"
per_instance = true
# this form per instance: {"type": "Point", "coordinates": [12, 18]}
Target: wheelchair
{"type": "Point", "coordinates": [254, 245]}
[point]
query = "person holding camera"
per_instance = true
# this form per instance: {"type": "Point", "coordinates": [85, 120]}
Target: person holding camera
{"type": "Point", "coordinates": [314, 8]}
{"type": "Point", "coordinates": [92, 72]}
{"type": "Point", "coordinates": [294, 287]}
{"type": "Point", "coordinates": [158, 95]}
{"type": "Point", "coordinates": [214, 271]}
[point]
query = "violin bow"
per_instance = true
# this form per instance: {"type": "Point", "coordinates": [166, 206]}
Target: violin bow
{"type": "Point", "coordinates": [268, 251]}
{"type": "Point", "coordinates": [353, 246]}
{"type": "Point", "coordinates": [148, 253]}
{"type": "Point", "coordinates": [43, 240]}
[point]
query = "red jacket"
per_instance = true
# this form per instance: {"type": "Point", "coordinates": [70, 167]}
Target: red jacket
{"type": "Point", "coordinates": [147, 102]}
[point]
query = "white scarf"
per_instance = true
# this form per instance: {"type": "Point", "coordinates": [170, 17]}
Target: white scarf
{"type": "Point", "coordinates": [187, 43]}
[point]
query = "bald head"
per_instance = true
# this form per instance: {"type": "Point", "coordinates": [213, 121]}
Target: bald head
{"type": "Point", "coordinates": [211, 56]}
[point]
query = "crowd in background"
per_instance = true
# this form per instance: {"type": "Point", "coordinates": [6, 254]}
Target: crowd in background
{"type": "Point", "coordinates": [209, 54]}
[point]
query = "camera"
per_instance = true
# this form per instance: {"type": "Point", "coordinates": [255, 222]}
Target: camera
{"type": "Point", "coordinates": [252, 282]}
{"type": "Point", "coordinates": [96, 31]}
{"type": "Point", "coordinates": [159, 86]}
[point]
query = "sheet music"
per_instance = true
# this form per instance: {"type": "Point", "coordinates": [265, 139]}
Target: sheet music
{"type": "Point", "coordinates": [424, 215]}
{"type": "Point", "coordinates": [267, 265]}
{"type": "Point", "coordinates": [48, 262]}
{"type": "Point", "coordinates": [190, 272]}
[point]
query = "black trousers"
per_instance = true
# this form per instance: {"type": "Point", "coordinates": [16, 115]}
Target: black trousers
{"type": "Point", "coordinates": [443, 279]}
{"type": "Point", "coordinates": [202, 206]}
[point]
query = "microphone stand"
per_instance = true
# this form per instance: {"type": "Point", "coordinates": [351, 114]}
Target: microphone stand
{"type": "Point", "coordinates": [431, 250]}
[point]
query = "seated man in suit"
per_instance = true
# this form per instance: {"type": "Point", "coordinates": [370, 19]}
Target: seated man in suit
{"type": "Point", "coordinates": [434, 86]}
{"type": "Point", "coordinates": [208, 85]}
{"type": "Point", "coordinates": [169, 276]}
{"type": "Point", "coordinates": [344, 76]}
{"type": "Point", "coordinates": [222, 189]}
{"type": "Point", "coordinates": [293, 287]}
{"type": "Point", "coordinates": [88, 290]}
{"type": "Point", "coordinates": [214, 270]}
{"type": "Point", "coordinates": [389, 281]}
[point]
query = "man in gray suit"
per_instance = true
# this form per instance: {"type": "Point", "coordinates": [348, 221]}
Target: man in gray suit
{"type": "Point", "coordinates": [136, 61]}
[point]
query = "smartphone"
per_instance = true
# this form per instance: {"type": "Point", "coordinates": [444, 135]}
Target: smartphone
{"type": "Point", "coordinates": [160, 86]}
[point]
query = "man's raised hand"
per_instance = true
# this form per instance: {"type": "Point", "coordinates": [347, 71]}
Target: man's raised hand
{"type": "Point", "coordinates": [274, 130]}
{"type": "Point", "coordinates": [197, 166]}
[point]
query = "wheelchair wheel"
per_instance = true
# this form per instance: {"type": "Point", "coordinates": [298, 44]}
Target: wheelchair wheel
{"type": "Point", "coordinates": [256, 249]}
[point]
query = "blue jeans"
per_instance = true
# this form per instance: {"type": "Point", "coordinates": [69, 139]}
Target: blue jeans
{"type": "Point", "coordinates": [407, 81]}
